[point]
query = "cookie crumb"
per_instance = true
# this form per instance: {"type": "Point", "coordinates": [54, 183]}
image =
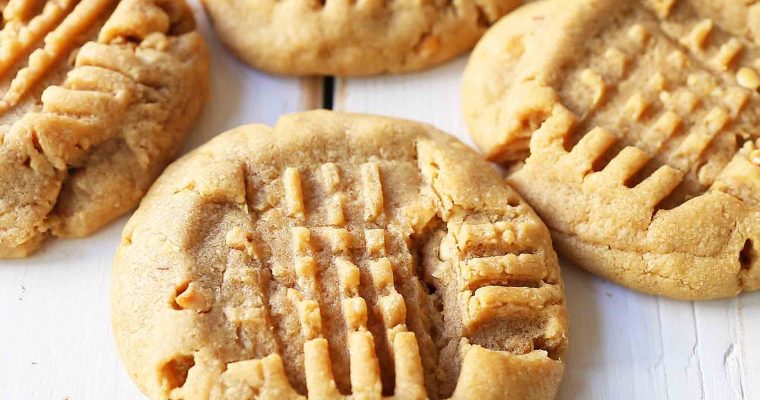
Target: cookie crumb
{"type": "Point", "coordinates": [748, 78]}
{"type": "Point", "coordinates": [754, 156]}
{"type": "Point", "coordinates": [638, 34]}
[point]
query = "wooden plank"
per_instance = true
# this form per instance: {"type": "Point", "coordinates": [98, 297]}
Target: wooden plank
{"type": "Point", "coordinates": [615, 349]}
{"type": "Point", "coordinates": [242, 95]}
{"type": "Point", "coordinates": [748, 316]}
{"type": "Point", "coordinates": [56, 337]}
{"type": "Point", "coordinates": [623, 344]}
{"type": "Point", "coordinates": [720, 349]}
{"type": "Point", "coordinates": [55, 340]}
{"type": "Point", "coordinates": [680, 337]}
{"type": "Point", "coordinates": [429, 96]}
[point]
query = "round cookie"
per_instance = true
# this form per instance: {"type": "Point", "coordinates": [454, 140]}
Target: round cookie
{"type": "Point", "coordinates": [337, 254]}
{"type": "Point", "coordinates": [342, 37]}
{"type": "Point", "coordinates": [632, 128]}
{"type": "Point", "coordinates": [96, 97]}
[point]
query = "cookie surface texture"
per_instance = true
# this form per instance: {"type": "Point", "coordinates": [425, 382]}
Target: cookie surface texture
{"type": "Point", "coordinates": [338, 256]}
{"type": "Point", "coordinates": [96, 97]}
{"type": "Point", "coordinates": [342, 37]}
{"type": "Point", "coordinates": [632, 128]}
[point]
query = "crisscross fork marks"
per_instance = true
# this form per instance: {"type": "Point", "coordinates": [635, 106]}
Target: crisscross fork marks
{"type": "Point", "coordinates": [636, 204]}
{"type": "Point", "coordinates": [502, 279]}
{"type": "Point", "coordinates": [681, 117]}
{"type": "Point", "coordinates": [351, 229]}
{"type": "Point", "coordinates": [75, 19]}
{"type": "Point", "coordinates": [388, 304]}
{"type": "Point", "coordinates": [395, 345]}
{"type": "Point", "coordinates": [20, 35]}
{"type": "Point", "coordinates": [361, 317]}
{"type": "Point", "coordinates": [666, 97]}
{"type": "Point", "coordinates": [70, 111]}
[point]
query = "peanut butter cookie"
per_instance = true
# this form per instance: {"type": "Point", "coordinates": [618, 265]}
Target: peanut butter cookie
{"type": "Point", "coordinates": [632, 128]}
{"type": "Point", "coordinates": [96, 97]}
{"type": "Point", "coordinates": [338, 256]}
{"type": "Point", "coordinates": [345, 37]}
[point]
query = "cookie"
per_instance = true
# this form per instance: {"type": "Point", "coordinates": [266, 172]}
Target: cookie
{"type": "Point", "coordinates": [343, 37]}
{"type": "Point", "coordinates": [337, 254]}
{"type": "Point", "coordinates": [96, 97]}
{"type": "Point", "coordinates": [632, 128]}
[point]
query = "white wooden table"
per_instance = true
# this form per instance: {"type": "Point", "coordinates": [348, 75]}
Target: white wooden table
{"type": "Point", "coordinates": [55, 338]}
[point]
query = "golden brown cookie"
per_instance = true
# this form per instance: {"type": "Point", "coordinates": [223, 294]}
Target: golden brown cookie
{"type": "Point", "coordinates": [346, 37]}
{"type": "Point", "coordinates": [338, 256]}
{"type": "Point", "coordinates": [96, 97]}
{"type": "Point", "coordinates": [632, 128]}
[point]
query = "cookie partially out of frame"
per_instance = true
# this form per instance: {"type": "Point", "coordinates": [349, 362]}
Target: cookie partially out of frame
{"type": "Point", "coordinates": [338, 256]}
{"type": "Point", "coordinates": [96, 97]}
{"type": "Point", "coordinates": [347, 37]}
{"type": "Point", "coordinates": [633, 129]}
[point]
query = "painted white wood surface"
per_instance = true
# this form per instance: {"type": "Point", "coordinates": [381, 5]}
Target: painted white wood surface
{"type": "Point", "coordinates": [55, 339]}
{"type": "Point", "coordinates": [55, 330]}
{"type": "Point", "coordinates": [623, 345]}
